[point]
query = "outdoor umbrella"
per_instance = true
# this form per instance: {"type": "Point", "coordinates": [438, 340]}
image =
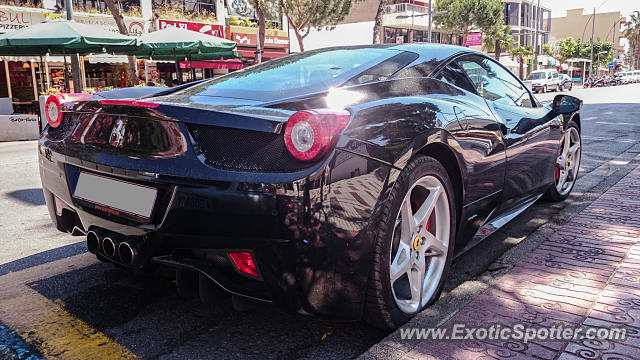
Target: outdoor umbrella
{"type": "Point", "coordinates": [173, 42]}
{"type": "Point", "coordinates": [60, 37]}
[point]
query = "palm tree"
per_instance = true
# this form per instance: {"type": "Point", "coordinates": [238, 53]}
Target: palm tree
{"type": "Point", "coordinates": [522, 52]}
{"type": "Point", "coordinates": [498, 40]}
{"type": "Point", "coordinates": [631, 33]}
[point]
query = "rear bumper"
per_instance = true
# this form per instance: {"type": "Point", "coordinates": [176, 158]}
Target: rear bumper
{"type": "Point", "coordinates": [311, 238]}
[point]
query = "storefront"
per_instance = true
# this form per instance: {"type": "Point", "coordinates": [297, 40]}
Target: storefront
{"type": "Point", "coordinates": [19, 82]}
{"type": "Point", "coordinates": [276, 42]}
{"type": "Point", "coordinates": [48, 72]}
{"type": "Point", "coordinates": [401, 36]}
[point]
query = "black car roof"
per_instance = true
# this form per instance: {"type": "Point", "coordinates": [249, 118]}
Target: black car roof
{"type": "Point", "coordinates": [438, 51]}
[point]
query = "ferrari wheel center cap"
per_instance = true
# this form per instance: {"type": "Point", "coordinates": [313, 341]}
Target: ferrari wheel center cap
{"type": "Point", "coordinates": [416, 243]}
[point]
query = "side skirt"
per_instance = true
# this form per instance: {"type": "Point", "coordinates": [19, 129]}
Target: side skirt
{"type": "Point", "coordinates": [493, 224]}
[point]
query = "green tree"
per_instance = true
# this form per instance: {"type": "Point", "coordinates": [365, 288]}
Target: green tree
{"type": "Point", "coordinates": [631, 33]}
{"type": "Point", "coordinates": [304, 15]}
{"type": "Point", "coordinates": [567, 49]}
{"type": "Point", "coordinates": [522, 52]}
{"type": "Point", "coordinates": [462, 16]}
{"type": "Point", "coordinates": [548, 50]}
{"type": "Point", "coordinates": [498, 40]}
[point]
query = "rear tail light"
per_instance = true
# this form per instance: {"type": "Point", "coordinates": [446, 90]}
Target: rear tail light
{"type": "Point", "coordinates": [53, 106]}
{"type": "Point", "coordinates": [53, 110]}
{"type": "Point", "coordinates": [130, 103]}
{"type": "Point", "coordinates": [310, 133]}
{"type": "Point", "coordinates": [243, 261]}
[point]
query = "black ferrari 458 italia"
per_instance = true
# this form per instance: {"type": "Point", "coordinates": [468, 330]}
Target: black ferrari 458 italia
{"type": "Point", "coordinates": [338, 182]}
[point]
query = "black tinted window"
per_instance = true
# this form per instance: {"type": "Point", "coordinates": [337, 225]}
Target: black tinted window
{"type": "Point", "coordinates": [385, 69]}
{"type": "Point", "coordinates": [424, 69]}
{"type": "Point", "coordinates": [311, 71]}
{"type": "Point", "coordinates": [454, 75]}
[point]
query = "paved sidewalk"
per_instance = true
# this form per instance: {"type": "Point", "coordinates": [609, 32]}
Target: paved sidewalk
{"type": "Point", "coordinates": [587, 273]}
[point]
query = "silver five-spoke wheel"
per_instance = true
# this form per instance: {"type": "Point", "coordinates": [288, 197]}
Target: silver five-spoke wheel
{"type": "Point", "coordinates": [568, 161]}
{"type": "Point", "coordinates": [420, 244]}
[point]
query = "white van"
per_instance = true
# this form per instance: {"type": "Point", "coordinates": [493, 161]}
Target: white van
{"type": "Point", "coordinates": [625, 77]}
{"type": "Point", "coordinates": [543, 80]}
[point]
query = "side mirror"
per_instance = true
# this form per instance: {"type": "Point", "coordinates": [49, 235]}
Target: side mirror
{"type": "Point", "coordinates": [565, 104]}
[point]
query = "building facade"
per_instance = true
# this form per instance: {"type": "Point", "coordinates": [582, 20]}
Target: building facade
{"type": "Point", "coordinates": [578, 24]}
{"type": "Point", "coordinates": [528, 20]}
{"type": "Point", "coordinates": [403, 21]}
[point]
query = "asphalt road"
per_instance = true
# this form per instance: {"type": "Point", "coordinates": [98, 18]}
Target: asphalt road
{"type": "Point", "coordinates": [54, 279]}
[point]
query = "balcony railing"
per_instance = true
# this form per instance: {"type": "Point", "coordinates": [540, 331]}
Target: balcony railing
{"type": "Point", "coordinates": [404, 8]}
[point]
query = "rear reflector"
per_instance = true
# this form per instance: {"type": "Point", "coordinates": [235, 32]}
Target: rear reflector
{"type": "Point", "coordinates": [58, 205]}
{"type": "Point", "coordinates": [243, 261]}
{"type": "Point", "coordinates": [130, 103]}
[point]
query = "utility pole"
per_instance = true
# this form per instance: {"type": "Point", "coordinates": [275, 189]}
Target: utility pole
{"type": "Point", "coordinates": [78, 86]}
{"type": "Point", "coordinates": [535, 41]}
{"type": "Point", "coordinates": [614, 50]}
{"type": "Point", "coordinates": [430, 20]}
{"type": "Point", "coordinates": [593, 29]}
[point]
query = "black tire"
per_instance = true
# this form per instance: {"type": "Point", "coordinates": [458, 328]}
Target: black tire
{"type": "Point", "coordinates": [552, 193]}
{"type": "Point", "coordinates": [381, 309]}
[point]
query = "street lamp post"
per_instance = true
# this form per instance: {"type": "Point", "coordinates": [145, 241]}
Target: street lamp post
{"type": "Point", "coordinates": [535, 41]}
{"type": "Point", "coordinates": [593, 28]}
{"type": "Point", "coordinates": [75, 59]}
{"type": "Point", "coordinates": [430, 21]}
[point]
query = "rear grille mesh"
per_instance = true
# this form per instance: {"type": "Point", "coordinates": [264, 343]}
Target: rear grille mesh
{"type": "Point", "coordinates": [69, 122]}
{"type": "Point", "coordinates": [244, 150]}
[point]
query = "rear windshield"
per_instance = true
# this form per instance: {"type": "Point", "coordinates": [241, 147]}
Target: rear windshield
{"type": "Point", "coordinates": [297, 74]}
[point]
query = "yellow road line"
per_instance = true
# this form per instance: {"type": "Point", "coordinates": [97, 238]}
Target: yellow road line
{"type": "Point", "coordinates": [46, 325]}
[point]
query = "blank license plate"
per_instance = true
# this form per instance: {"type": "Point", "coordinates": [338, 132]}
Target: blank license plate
{"type": "Point", "coordinates": [116, 194]}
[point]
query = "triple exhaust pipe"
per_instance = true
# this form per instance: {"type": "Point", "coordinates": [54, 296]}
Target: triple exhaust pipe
{"type": "Point", "coordinates": [110, 246]}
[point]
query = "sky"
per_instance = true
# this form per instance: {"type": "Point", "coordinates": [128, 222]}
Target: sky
{"type": "Point", "coordinates": [559, 7]}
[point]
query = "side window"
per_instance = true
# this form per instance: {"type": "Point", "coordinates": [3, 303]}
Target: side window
{"type": "Point", "coordinates": [494, 83]}
{"type": "Point", "coordinates": [454, 75]}
{"type": "Point", "coordinates": [555, 75]}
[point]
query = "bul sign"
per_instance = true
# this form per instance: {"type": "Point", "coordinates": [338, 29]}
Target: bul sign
{"type": "Point", "coordinates": [209, 29]}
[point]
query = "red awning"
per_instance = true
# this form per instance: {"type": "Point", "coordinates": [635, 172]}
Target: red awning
{"type": "Point", "coordinates": [232, 64]}
{"type": "Point", "coordinates": [248, 52]}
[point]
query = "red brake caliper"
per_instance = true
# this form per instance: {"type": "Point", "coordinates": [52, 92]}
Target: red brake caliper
{"type": "Point", "coordinates": [558, 168]}
{"type": "Point", "coordinates": [417, 205]}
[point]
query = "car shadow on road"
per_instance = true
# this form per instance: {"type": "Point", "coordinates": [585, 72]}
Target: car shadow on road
{"type": "Point", "coordinates": [43, 257]}
{"type": "Point", "coordinates": [33, 197]}
{"type": "Point", "coordinates": [144, 313]}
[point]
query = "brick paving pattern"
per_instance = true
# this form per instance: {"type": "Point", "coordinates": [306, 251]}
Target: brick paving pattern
{"type": "Point", "coordinates": [587, 273]}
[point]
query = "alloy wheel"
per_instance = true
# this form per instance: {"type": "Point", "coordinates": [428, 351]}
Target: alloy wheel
{"type": "Point", "coordinates": [568, 161]}
{"type": "Point", "coordinates": [420, 244]}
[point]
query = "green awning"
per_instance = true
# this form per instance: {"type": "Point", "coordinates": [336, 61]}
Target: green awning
{"type": "Point", "coordinates": [58, 36]}
{"type": "Point", "coordinates": [173, 42]}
